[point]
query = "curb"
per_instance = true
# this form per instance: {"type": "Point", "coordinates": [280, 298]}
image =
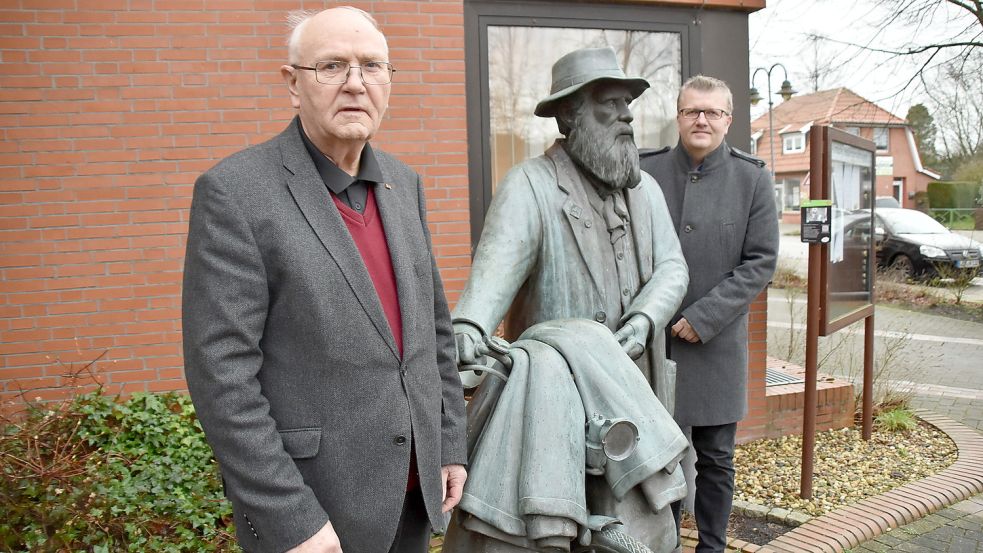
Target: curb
{"type": "Point", "coordinates": [851, 525]}
{"type": "Point", "coordinates": [777, 515]}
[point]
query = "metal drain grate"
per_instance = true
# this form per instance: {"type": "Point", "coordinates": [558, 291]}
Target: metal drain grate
{"type": "Point", "coordinates": [777, 378]}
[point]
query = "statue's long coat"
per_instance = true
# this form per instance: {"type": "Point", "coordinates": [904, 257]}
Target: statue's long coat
{"type": "Point", "coordinates": [539, 255]}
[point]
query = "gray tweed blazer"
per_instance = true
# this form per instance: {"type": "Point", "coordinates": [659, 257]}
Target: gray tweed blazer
{"type": "Point", "coordinates": [290, 360]}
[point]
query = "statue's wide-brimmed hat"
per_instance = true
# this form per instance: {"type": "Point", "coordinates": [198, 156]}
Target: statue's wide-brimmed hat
{"type": "Point", "coordinates": [582, 67]}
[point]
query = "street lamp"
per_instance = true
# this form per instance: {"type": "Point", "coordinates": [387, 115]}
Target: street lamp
{"type": "Point", "coordinates": [785, 92]}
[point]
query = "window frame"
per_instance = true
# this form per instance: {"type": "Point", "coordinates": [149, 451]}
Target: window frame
{"type": "Point", "coordinates": [887, 138]}
{"type": "Point", "coordinates": [481, 14]}
{"type": "Point", "coordinates": [795, 184]}
{"type": "Point", "coordinates": [796, 134]}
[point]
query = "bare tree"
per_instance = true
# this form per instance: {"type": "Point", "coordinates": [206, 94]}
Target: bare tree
{"type": "Point", "coordinates": [955, 94]}
{"type": "Point", "coordinates": [918, 20]}
{"type": "Point", "coordinates": [824, 67]}
{"type": "Point", "coordinates": [954, 91]}
{"type": "Point", "coordinates": [948, 68]}
{"type": "Point", "coordinates": [507, 84]}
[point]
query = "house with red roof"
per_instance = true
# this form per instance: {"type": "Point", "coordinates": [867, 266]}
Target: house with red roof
{"type": "Point", "coordinates": [899, 169]}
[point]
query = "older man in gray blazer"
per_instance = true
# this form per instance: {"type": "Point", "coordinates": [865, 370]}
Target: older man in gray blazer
{"type": "Point", "coordinates": [722, 205]}
{"type": "Point", "coordinates": [318, 344]}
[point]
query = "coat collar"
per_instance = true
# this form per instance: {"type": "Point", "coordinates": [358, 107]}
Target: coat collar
{"type": "Point", "coordinates": [578, 212]}
{"type": "Point", "coordinates": [711, 163]}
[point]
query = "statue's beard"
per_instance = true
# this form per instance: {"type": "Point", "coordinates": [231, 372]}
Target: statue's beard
{"type": "Point", "coordinates": [608, 154]}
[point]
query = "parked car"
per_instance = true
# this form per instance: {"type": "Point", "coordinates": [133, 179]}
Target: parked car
{"type": "Point", "coordinates": [886, 201]}
{"type": "Point", "coordinates": [914, 245]}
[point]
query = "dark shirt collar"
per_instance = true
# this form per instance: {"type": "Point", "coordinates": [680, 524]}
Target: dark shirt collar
{"type": "Point", "coordinates": [334, 178]}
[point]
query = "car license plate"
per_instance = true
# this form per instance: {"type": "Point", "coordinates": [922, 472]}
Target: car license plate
{"type": "Point", "coordinates": [967, 263]}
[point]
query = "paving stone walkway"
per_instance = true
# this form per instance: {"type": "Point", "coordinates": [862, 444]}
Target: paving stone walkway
{"type": "Point", "coordinates": [913, 519]}
{"type": "Point", "coordinates": [955, 529]}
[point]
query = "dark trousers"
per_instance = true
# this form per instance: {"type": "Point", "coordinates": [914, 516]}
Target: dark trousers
{"type": "Point", "coordinates": [714, 447]}
{"type": "Point", "coordinates": [413, 532]}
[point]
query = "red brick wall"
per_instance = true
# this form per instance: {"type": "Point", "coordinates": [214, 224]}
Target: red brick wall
{"type": "Point", "coordinates": [757, 417]}
{"type": "Point", "coordinates": [835, 403]}
{"type": "Point", "coordinates": [109, 109]}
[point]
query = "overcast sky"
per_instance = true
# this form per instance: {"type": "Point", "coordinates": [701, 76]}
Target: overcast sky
{"type": "Point", "coordinates": [780, 33]}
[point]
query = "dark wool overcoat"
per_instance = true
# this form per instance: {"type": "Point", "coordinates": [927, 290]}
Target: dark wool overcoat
{"type": "Point", "coordinates": [727, 223]}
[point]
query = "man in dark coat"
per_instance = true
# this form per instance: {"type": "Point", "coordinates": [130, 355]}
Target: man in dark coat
{"type": "Point", "coordinates": [722, 205]}
{"type": "Point", "coordinates": [318, 346]}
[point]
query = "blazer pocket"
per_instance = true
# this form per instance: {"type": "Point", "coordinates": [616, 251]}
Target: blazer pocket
{"type": "Point", "coordinates": [301, 443]}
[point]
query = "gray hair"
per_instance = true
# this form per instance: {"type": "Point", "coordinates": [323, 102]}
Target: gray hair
{"type": "Point", "coordinates": [297, 19]}
{"type": "Point", "coordinates": [703, 83]}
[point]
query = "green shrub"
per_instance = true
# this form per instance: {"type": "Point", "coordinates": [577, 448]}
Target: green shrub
{"type": "Point", "coordinates": [953, 195]}
{"type": "Point", "coordinates": [897, 420]}
{"type": "Point", "coordinates": [99, 475]}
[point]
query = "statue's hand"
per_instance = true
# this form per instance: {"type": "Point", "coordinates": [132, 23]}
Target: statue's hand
{"type": "Point", "coordinates": [467, 337]}
{"type": "Point", "coordinates": [633, 335]}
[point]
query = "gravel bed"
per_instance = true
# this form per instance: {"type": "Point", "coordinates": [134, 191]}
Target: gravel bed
{"type": "Point", "coordinates": [846, 469]}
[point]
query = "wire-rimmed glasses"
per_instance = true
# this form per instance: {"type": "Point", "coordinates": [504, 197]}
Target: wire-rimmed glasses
{"type": "Point", "coordinates": [711, 114]}
{"type": "Point", "coordinates": [336, 72]}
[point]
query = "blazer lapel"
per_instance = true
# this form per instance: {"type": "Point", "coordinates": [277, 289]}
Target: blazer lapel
{"type": "Point", "coordinates": [579, 214]}
{"type": "Point", "coordinates": [397, 213]}
{"type": "Point", "coordinates": [318, 208]}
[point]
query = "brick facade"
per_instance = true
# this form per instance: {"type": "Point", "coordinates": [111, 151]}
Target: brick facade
{"type": "Point", "coordinates": [751, 427]}
{"type": "Point", "coordinates": [110, 109]}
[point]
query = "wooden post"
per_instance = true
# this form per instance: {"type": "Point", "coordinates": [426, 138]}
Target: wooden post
{"type": "Point", "coordinates": [868, 409]}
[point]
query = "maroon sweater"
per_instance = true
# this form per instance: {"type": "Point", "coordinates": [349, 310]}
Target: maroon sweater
{"type": "Point", "coordinates": [370, 238]}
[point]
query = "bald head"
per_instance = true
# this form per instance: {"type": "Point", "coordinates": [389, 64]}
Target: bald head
{"type": "Point", "coordinates": [299, 20]}
{"type": "Point", "coordinates": [339, 117]}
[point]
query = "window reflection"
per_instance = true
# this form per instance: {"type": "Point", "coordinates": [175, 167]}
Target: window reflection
{"type": "Point", "coordinates": [850, 265]}
{"type": "Point", "coordinates": [520, 60]}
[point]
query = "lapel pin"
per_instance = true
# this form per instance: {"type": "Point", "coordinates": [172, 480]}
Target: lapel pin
{"type": "Point", "coordinates": [388, 186]}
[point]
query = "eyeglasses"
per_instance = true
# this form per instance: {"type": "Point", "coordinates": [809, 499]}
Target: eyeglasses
{"type": "Point", "coordinates": [336, 72]}
{"type": "Point", "coordinates": [710, 114]}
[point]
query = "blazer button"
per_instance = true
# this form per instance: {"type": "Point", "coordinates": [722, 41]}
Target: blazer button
{"type": "Point", "coordinates": [588, 223]}
{"type": "Point", "coordinates": [688, 228]}
{"type": "Point", "coordinates": [600, 316]}
{"type": "Point", "coordinates": [399, 440]}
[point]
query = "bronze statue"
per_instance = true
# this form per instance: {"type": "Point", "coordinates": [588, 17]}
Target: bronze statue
{"type": "Point", "coordinates": [584, 234]}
